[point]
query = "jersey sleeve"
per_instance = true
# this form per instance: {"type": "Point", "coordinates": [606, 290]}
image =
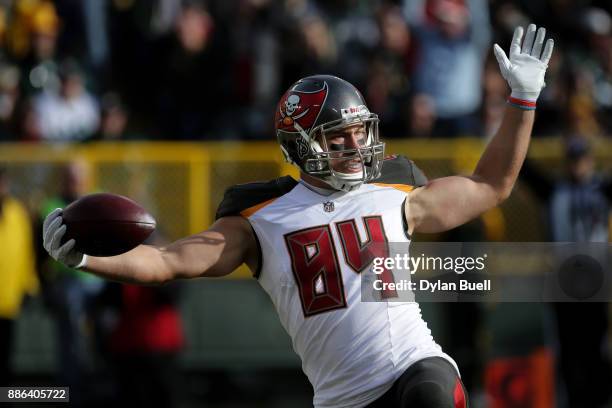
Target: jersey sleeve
{"type": "Point", "coordinates": [401, 170]}
{"type": "Point", "coordinates": [239, 199]}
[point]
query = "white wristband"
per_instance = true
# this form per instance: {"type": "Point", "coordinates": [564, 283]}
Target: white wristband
{"type": "Point", "coordinates": [83, 262]}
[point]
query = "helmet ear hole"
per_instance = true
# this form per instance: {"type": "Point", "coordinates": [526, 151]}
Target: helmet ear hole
{"type": "Point", "coordinates": [292, 144]}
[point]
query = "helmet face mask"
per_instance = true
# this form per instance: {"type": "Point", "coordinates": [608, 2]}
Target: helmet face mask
{"type": "Point", "coordinates": [334, 110]}
{"type": "Point", "coordinates": [346, 167]}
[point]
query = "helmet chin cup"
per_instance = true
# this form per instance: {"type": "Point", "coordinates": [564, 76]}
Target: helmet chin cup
{"type": "Point", "coordinates": [346, 181]}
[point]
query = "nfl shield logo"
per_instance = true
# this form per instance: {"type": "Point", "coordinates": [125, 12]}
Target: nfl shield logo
{"type": "Point", "coordinates": [328, 206]}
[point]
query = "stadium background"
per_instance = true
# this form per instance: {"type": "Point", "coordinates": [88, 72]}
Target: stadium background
{"type": "Point", "coordinates": [175, 103]}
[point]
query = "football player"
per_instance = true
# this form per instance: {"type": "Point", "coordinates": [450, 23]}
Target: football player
{"type": "Point", "coordinates": [307, 240]}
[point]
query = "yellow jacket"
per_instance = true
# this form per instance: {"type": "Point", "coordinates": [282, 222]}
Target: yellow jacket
{"type": "Point", "coordinates": [17, 268]}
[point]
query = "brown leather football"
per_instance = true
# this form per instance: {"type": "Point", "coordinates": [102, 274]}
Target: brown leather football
{"type": "Point", "coordinates": [106, 224]}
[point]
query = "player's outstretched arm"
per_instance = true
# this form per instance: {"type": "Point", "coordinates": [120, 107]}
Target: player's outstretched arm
{"type": "Point", "coordinates": [448, 202]}
{"type": "Point", "coordinates": [215, 252]}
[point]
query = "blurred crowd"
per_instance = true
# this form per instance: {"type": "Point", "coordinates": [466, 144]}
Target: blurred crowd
{"type": "Point", "coordinates": [202, 70]}
{"type": "Point", "coordinates": [97, 70]}
{"type": "Point", "coordinates": [126, 336]}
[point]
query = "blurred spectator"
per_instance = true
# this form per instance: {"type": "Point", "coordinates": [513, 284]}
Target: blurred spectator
{"type": "Point", "coordinates": [35, 35]}
{"type": "Point", "coordinates": [144, 342]}
{"type": "Point", "coordinates": [453, 39]}
{"type": "Point", "coordinates": [590, 79]}
{"type": "Point", "coordinates": [254, 75]}
{"type": "Point", "coordinates": [390, 68]}
{"type": "Point", "coordinates": [421, 116]}
{"type": "Point", "coordinates": [4, 11]}
{"type": "Point", "coordinates": [578, 207]}
{"type": "Point", "coordinates": [320, 45]}
{"type": "Point", "coordinates": [70, 114]}
{"type": "Point", "coordinates": [580, 204]}
{"type": "Point", "coordinates": [581, 106]}
{"type": "Point", "coordinates": [32, 36]}
{"type": "Point", "coordinates": [597, 24]}
{"type": "Point", "coordinates": [27, 19]}
{"type": "Point", "coordinates": [218, 73]}
{"type": "Point", "coordinates": [28, 129]}
{"type": "Point", "coordinates": [192, 83]}
{"type": "Point", "coordinates": [85, 31]}
{"type": "Point", "coordinates": [69, 293]}
{"type": "Point", "coordinates": [9, 97]}
{"type": "Point", "coordinates": [506, 15]}
{"type": "Point", "coordinates": [114, 119]}
{"type": "Point", "coordinates": [17, 270]}
{"type": "Point", "coordinates": [356, 26]}
{"type": "Point", "coordinates": [307, 45]}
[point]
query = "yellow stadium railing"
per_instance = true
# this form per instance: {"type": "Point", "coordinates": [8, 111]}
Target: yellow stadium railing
{"type": "Point", "coordinates": [182, 183]}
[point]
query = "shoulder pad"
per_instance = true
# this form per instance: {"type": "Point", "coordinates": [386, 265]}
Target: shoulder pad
{"type": "Point", "coordinates": [401, 170]}
{"type": "Point", "coordinates": [243, 196]}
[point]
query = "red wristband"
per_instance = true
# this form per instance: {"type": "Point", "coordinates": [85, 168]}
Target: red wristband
{"type": "Point", "coordinates": [522, 103]}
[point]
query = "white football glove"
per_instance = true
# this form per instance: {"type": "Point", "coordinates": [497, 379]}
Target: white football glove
{"type": "Point", "coordinates": [53, 232]}
{"type": "Point", "coordinates": [525, 69]}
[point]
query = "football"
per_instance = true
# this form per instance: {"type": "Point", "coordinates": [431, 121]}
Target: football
{"type": "Point", "coordinates": [106, 224]}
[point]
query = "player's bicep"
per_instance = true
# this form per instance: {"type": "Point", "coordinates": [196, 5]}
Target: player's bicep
{"type": "Point", "coordinates": [446, 203]}
{"type": "Point", "coordinates": [218, 251]}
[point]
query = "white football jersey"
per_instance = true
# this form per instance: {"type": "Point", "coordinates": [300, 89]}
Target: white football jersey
{"type": "Point", "coordinates": [311, 259]}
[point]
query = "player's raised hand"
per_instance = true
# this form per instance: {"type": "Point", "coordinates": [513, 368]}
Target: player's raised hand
{"type": "Point", "coordinates": [53, 232]}
{"type": "Point", "coordinates": [525, 68]}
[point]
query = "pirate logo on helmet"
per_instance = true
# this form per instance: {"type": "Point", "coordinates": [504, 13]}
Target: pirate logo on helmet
{"type": "Point", "coordinates": [298, 110]}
